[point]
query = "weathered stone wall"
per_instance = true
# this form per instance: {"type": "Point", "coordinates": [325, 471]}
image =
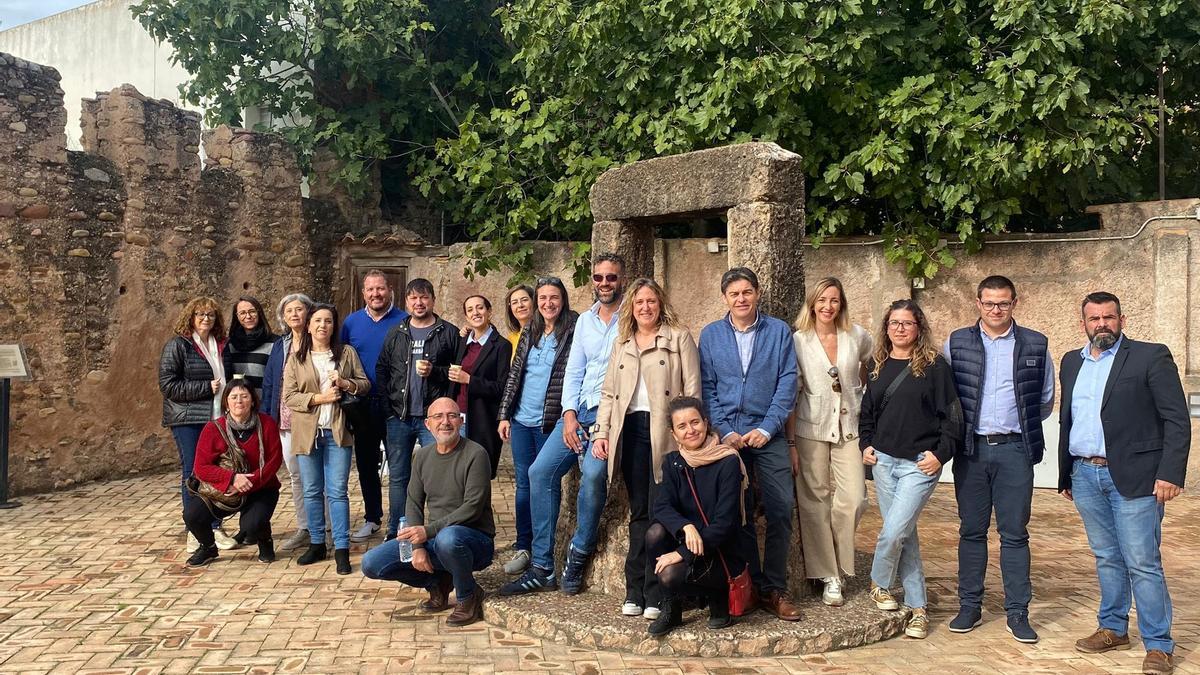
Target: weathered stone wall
{"type": "Point", "coordinates": [101, 249]}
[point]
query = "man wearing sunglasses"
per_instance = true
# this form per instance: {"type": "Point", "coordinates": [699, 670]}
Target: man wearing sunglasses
{"type": "Point", "coordinates": [1005, 381]}
{"type": "Point", "coordinates": [567, 444]}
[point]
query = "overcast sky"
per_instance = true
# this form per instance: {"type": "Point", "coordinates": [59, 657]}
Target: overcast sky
{"type": "Point", "coordinates": [17, 12]}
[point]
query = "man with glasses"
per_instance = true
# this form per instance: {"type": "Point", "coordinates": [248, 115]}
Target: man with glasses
{"type": "Point", "coordinates": [1005, 381]}
{"type": "Point", "coordinates": [749, 378]}
{"type": "Point", "coordinates": [365, 330]}
{"type": "Point", "coordinates": [595, 331]}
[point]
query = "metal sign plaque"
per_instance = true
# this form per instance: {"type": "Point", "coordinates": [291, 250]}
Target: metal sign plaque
{"type": "Point", "coordinates": [13, 365]}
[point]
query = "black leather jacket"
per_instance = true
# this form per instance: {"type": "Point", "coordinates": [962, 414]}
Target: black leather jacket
{"type": "Point", "coordinates": [552, 408]}
{"type": "Point", "coordinates": [185, 380]}
{"type": "Point", "coordinates": [391, 370]}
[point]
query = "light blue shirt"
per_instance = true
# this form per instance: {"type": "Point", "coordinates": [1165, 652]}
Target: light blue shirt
{"type": "Point", "coordinates": [539, 364]}
{"type": "Point", "coordinates": [998, 397]}
{"type": "Point", "coordinates": [1087, 431]}
{"type": "Point", "coordinates": [745, 340]}
{"type": "Point", "coordinates": [588, 360]}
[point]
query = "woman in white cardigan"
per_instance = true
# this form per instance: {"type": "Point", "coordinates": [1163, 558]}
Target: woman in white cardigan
{"type": "Point", "coordinates": [830, 485]}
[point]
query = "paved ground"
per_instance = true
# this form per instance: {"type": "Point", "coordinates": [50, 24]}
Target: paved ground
{"type": "Point", "coordinates": [92, 580]}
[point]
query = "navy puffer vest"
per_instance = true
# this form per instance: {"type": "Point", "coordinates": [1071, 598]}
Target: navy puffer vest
{"type": "Point", "coordinates": [1029, 370]}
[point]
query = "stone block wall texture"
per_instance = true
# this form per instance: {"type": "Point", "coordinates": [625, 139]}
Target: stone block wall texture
{"type": "Point", "coordinates": [101, 249]}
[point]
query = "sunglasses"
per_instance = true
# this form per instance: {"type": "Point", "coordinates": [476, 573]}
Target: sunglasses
{"type": "Point", "coordinates": [543, 281]}
{"type": "Point", "coordinates": [610, 278]}
{"type": "Point", "coordinates": [837, 382]}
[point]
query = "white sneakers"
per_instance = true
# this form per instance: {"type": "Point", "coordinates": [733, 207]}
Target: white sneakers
{"type": "Point", "coordinates": [300, 538]}
{"type": "Point", "coordinates": [519, 562]}
{"type": "Point", "coordinates": [631, 609]}
{"type": "Point", "coordinates": [833, 592]}
{"type": "Point", "coordinates": [364, 533]}
{"type": "Point", "coordinates": [651, 613]}
{"type": "Point", "coordinates": [224, 541]}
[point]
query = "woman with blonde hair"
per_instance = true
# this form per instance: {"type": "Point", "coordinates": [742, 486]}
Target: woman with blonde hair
{"type": "Point", "coordinates": [654, 360]}
{"type": "Point", "coordinates": [831, 490]}
{"type": "Point", "coordinates": [190, 374]}
{"type": "Point", "coordinates": [910, 425]}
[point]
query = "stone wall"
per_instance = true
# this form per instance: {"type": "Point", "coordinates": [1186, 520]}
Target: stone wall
{"type": "Point", "coordinates": [101, 248]}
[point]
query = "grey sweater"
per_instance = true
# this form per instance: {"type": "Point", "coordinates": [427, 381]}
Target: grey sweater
{"type": "Point", "coordinates": [451, 489]}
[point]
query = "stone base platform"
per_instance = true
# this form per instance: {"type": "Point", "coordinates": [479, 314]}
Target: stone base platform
{"type": "Point", "coordinates": [592, 620]}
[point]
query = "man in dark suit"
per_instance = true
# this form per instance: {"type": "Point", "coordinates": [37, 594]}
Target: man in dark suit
{"type": "Point", "coordinates": [1123, 452]}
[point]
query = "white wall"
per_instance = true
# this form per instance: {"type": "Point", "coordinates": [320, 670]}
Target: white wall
{"type": "Point", "coordinates": [97, 47]}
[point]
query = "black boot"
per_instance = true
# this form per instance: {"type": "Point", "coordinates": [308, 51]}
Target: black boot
{"type": "Point", "coordinates": [671, 616]}
{"type": "Point", "coordinates": [266, 550]}
{"type": "Point", "coordinates": [244, 538]}
{"type": "Point", "coordinates": [342, 557]}
{"type": "Point", "coordinates": [315, 552]}
{"type": "Point", "coordinates": [718, 611]}
{"type": "Point", "coordinates": [203, 556]}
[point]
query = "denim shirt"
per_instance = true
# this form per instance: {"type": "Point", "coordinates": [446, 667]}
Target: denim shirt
{"type": "Point", "coordinates": [588, 360]}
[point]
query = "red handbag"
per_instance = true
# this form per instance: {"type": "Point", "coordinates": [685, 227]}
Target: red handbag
{"type": "Point", "coordinates": [741, 594]}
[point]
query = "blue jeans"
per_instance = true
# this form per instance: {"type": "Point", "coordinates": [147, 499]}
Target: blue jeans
{"type": "Point", "coordinates": [1125, 535]}
{"type": "Point", "coordinates": [526, 442]}
{"type": "Point", "coordinates": [902, 491]}
{"type": "Point", "coordinates": [325, 471]}
{"type": "Point", "coordinates": [186, 436]}
{"type": "Point", "coordinates": [402, 436]}
{"type": "Point", "coordinates": [545, 491]}
{"type": "Point", "coordinates": [770, 468]}
{"type": "Point", "coordinates": [456, 549]}
{"type": "Point", "coordinates": [1000, 477]}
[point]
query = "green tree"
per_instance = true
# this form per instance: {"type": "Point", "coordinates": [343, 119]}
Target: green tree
{"type": "Point", "coordinates": [372, 80]}
{"type": "Point", "coordinates": [920, 121]}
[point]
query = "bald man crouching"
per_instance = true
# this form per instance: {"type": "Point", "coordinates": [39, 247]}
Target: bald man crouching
{"type": "Point", "coordinates": [450, 521]}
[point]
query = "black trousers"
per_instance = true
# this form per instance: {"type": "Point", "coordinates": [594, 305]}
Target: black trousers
{"type": "Point", "coordinates": [705, 577]}
{"type": "Point", "coordinates": [637, 470]}
{"type": "Point", "coordinates": [256, 516]}
{"type": "Point", "coordinates": [368, 434]}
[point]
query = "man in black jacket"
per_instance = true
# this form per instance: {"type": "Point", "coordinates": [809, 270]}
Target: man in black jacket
{"type": "Point", "coordinates": [412, 371]}
{"type": "Point", "coordinates": [1123, 452]}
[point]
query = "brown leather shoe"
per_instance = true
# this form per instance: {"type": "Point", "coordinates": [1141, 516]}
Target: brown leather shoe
{"type": "Point", "coordinates": [779, 604]}
{"type": "Point", "coordinates": [439, 595]}
{"type": "Point", "coordinates": [1158, 662]}
{"type": "Point", "coordinates": [468, 611]}
{"type": "Point", "coordinates": [1102, 640]}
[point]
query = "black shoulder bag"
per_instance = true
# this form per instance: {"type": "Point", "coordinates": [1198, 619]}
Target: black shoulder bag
{"type": "Point", "coordinates": [887, 396]}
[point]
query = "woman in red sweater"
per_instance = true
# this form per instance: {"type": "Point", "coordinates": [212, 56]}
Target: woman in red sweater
{"type": "Point", "coordinates": [240, 423]}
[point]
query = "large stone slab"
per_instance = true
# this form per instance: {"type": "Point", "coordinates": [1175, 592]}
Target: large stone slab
{"type": "Point", "coordinates": [711, 180]}
{"type": "Point", "coordinates": [593, 620]}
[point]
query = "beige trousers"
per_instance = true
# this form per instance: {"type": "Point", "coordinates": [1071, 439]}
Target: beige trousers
{"type": "Point", "coordinates": [831, 493]}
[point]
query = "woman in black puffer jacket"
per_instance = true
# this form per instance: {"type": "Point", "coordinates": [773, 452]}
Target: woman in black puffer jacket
{"type": "Point", "coordinates": [190, 374]}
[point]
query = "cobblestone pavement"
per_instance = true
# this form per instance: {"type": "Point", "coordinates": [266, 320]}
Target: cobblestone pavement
{"type": "Point", "coordinates": [92, 580]}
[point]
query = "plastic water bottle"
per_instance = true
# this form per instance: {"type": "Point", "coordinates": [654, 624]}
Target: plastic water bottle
{"type": "Point", "coordinates": [405, 545]}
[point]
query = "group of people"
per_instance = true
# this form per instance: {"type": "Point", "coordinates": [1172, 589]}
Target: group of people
{"type": "Point", "coordinates": [757, 413]}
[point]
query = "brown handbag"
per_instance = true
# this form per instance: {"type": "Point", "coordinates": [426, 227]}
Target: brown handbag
{"type": "Point", "coordinates": [741, 599]}
{"type": "Point", "coordinates": [224, 504]}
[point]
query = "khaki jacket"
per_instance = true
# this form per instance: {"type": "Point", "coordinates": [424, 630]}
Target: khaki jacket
{"type": "Point", "coordinates": [300, 384]}
{"type": "Point", "coordinates": [821, 413]}
{"type": "Point", "coordinates": [671, 368]}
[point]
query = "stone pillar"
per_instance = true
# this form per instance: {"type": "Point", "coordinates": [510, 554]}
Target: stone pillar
{"type": "Point", "coordinates": [32, 117]}
{"type": "Point", "coordinates": [1171, 249]}
{"type": "Point", "coordinates": [768, 238]}
{"type": "Point", "coordinates": [634, 242]}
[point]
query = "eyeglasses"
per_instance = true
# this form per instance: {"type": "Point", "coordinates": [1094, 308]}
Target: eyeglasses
{"type": "Point", "coordinates": [610, 278]}
{"type": "Point", "coordinates": [906, 325]}
{"type": "Point", "coordinates": [247, 313]}
{"type": "Point", "coordinates": [837, 381]}
{"type": "Point", "coordinates": [204, 315]}
{"type": "Point", "coordinates": [1002, 306]}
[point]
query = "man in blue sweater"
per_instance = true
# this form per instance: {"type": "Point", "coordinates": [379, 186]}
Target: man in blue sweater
{"type": "Point", "coordinates": [748, 376]}
{"type": "Point", "coordinates": [365, 330]}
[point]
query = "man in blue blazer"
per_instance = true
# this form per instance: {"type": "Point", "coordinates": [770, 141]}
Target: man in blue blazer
{"type": "Point", "coordinates": [1123, 452]}
{"type": "Point", "coordinates": [748, 376]}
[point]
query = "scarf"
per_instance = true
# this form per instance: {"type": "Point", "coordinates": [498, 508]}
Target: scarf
{"type": "Point", "coordinates": [242, 430]}
{"type": "Point", "coordinates": [713, 451]}
{"type": "Point", "coordinates": [212, 354]}
{"type": "Point", "coordinates": [243, 341]}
